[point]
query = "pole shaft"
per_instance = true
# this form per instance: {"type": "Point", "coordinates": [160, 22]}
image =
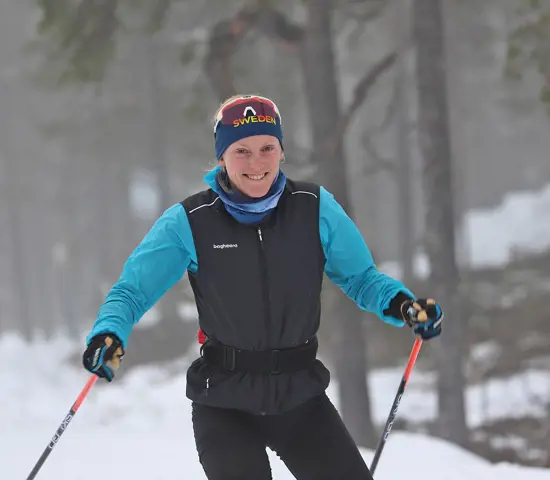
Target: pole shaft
{"type": "Point", "coordinates": [395, 406]}
{"type": "Point", "coordinates": [64, 424]}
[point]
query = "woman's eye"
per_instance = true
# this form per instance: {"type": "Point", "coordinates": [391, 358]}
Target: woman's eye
{"type": "Point", "coordinates": [269, 148]}
{"type": "Point", "coordinates": [241, 151]}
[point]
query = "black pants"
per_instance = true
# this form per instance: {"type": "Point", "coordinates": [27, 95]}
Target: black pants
{"type": "Point", "coordinates": [311, 440]}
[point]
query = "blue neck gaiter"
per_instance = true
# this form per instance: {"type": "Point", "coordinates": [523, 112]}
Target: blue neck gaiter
{"type": "Point", "coordinates": [241, 207]}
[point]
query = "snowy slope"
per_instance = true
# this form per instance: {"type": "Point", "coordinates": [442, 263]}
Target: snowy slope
{"type": "Point", "coordinates": [140, 425]}
{"type": "Point", "coordinates": [169, 456]}
{"type": "Point", "coordinates": [519, 225]}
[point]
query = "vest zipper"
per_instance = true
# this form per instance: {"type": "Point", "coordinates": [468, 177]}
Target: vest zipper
{"type": "Point", "coordinates": [267, 310]}
{"type": "Point", "coordinates": [265, 289]}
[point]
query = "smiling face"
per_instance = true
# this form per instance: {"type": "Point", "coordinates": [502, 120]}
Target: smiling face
{"type": "Point", "coordinates": [252, 164]}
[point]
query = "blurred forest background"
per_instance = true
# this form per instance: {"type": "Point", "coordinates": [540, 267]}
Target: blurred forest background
{"type": "Point", "coordinates": [428, 119]}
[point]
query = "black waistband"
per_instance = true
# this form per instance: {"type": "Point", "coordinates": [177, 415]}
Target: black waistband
{"type": "Point", "coordinates": [261, 361]}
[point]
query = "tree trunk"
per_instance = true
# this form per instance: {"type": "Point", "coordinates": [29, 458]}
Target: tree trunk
{"type": "Point", "coordinates": [9, 135]}
{"type": "Point", "coordinates": [172, 336]}
{"type": "Point", "coordinates": [407, 232]}
{"type": "Point", "coordinates": [321, 90]}
{"type": "Point", "coordinates": [440, 233]}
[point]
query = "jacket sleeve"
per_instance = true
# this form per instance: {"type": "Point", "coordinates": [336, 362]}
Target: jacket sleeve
{"type": "Point", "coordinates": [156, 264]}
{"type": "Point", "coordinates": [349, 263]}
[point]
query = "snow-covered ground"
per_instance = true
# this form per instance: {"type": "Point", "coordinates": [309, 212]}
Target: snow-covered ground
{"type": "Point", "coordinates": [520, 224]}
{"type": "Point", "coordinates": [158, 455]}
{"type": "Point", "coordinates": [493, 237]}
{"type": "Point", "coordinates": [140, 427]}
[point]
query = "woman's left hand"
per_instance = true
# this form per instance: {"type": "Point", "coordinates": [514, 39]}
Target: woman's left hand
{"type": "Point", "coordinates": [424, 316]}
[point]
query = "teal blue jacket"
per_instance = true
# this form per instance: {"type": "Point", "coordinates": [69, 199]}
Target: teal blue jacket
{"type": "Point", "coordinates": [167, 251]}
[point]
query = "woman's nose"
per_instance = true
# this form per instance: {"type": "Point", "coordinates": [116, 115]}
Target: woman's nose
{"type": "Point", "coordinates": [254, 159]}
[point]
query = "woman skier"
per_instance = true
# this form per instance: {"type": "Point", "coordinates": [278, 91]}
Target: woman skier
{"type": "Point", "coordinates": [256, 245]}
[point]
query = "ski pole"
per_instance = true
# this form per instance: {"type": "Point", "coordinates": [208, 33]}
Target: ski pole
{"type": "Point", "coordinates": [396, 402]}
{"type": "Point", "coordinates": [63, 426]}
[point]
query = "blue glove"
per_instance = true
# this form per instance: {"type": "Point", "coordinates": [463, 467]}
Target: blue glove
{"type": "Point", "coordinates": [424, 316]}
{"type": "Point", "coordinates": [103, 356]}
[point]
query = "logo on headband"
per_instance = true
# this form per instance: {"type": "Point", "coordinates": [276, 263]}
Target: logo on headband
{"type": "Point", "coordinates": [253, 118]}
{"type": "Point", "coordinates": [248, 109]}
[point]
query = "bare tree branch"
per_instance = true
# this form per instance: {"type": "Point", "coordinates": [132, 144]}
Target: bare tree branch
{"type": "Point", "coordinates": [226, 36]}
{"type": "Point", "coordinates": [277, 27]}
{"type": "Point", "coordinates": [360, 94]}
{"type": "Point", "coordinates": [389, 114]}
{"type": "Point", "coordinates": [361, 13]}
{"type": "Point", "coordinates": [377, 163]}
{"type": "Point", "coordinates": [158, 14]}
{"type": "Point", "coordinates": [224, 41]}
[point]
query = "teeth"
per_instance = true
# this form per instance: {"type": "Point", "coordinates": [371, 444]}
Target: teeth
{"type": "Point", "coordinates": [256, 177]}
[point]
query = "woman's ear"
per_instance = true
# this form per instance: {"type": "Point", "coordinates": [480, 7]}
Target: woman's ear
{"type": "Point", "coordinates": [221, 162]}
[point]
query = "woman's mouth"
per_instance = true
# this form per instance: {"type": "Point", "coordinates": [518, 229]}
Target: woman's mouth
{"type": "Point", "coordinates": [259, 176]}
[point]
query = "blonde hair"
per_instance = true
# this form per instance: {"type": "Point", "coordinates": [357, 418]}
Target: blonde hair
{"type": "Point", "coordinates": [214, 163]}
{"type": "Point", "coordinates": [226, 101]}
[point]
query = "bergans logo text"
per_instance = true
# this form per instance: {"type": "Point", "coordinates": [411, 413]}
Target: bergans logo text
{"type": "Point", "coordinates": [254, 119]}
{"type": "Point", "coordinates": [226, 245]}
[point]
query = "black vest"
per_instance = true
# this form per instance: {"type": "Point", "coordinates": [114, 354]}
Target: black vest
{"type": "Point", "coordinates": [257, 288]}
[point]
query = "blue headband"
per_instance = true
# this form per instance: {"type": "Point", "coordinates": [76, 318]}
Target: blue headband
{"type": "Point", "coordinates": [245, 117]}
